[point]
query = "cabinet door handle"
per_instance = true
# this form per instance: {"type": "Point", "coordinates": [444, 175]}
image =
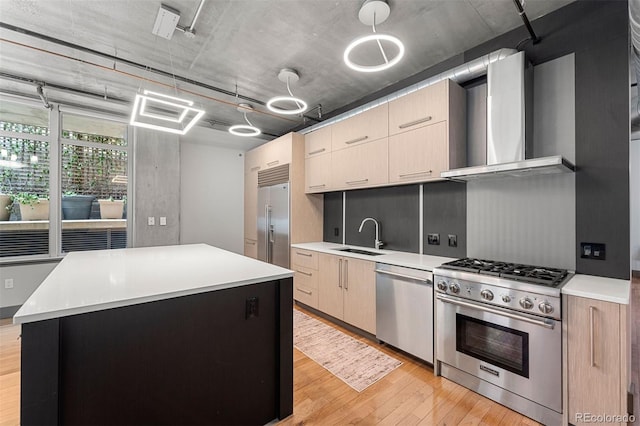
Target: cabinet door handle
{"type": "Point", "coordinates": [340, 273]}
{"type": "Point", "coordinates": [317, 186]}
{"type": "Point", "coordinates": [304, 273]}
{"type": "Point", "coordinates": [426, 172]}
{"type": "Point", "coordinates": [413, 123]}
{"type": "Point", "coordinates": [304, 254]}
{"type": "Point", "coordinates": [592, 310]}
{"type": "Point", "coordinates": [253, 169]}
{"type": "Point", "coordinates": [273, 163]}
{"type": "Point", "coordinates": [346, 274]}
{"type": "Point", "coordinates": [361, 138]}
{"type": "Point", "coordinates": [317, 151]}
{"type": "Point", "coordinates": [253, 243]}
{"type": "Point", "coordinates": [357, 182]}
{"type": "Point", "coordinates": [304, 291]}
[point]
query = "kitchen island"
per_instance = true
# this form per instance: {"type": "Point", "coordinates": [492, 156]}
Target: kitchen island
{"type": "Point", "coordinates": [163, 335]}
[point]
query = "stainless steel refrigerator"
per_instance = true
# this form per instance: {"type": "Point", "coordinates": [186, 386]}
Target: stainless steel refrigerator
{"type": "Point", "coordinates": [273, 224]}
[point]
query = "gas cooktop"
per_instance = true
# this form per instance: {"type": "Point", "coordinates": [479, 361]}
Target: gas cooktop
{"type": "Point", "coordinates": [550, 277]}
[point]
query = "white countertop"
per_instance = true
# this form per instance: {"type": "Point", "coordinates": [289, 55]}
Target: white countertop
{"type": "Point", "coordinates": [95, 280]}
{"type": "Point", "coordinates": [599, 288]}
{"type": "Point", "coordinates": [399, 258]}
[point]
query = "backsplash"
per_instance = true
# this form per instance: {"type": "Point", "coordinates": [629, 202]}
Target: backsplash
{"type": "Point", "coordinates": [445, 213]}
{"type": "Point", "coordinates": [332, 218]}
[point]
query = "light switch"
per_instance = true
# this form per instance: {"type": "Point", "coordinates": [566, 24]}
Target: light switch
{"type": "Point", "coordinates": [163, 221]}
{"type": "Point", "coordinates": [8, 283]}
{"type": "Point", "coordinates": [151, 221]}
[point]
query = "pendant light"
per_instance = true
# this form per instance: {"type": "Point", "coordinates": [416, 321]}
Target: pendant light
{"type": "Point", "coordinates": [170, 114]}
{"type": "Point", "coordinates": [287, 76]}
{"type": "Point", "coordinates": [246, 130]}
{"type": "Point", "coordinates": [374, 12]}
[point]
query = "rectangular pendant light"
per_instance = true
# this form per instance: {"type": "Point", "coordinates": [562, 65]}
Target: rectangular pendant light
{"type": "Point", "coordinates": [165, 113]}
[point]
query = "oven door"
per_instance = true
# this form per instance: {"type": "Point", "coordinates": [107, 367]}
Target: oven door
{"type": "Point", "coordinates": [518, 352]}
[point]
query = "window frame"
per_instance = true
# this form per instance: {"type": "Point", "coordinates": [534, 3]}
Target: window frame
{"type": "Point", "coordinates": [55, 141]}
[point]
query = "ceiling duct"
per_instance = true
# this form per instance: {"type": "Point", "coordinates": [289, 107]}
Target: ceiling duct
{"type": "Point", "coordinates": [460, 74]}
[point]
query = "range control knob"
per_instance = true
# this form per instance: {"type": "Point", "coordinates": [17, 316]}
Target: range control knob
{"type": "Point", "coordinates": [454, 288]}
{"type": "Point", "coordinates": [442, 285]}
{"type": "Point", "coordinates": [486, 294]}
{"type": "Point", "coordinates": [506, 298]}
{"type": "Point", "coordinates": [545, 307]}
{"type": "Point", "coordinates": [526, 303]}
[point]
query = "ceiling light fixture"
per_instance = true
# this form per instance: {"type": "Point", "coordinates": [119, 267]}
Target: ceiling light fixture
{"type": "Point", "coordinates": [170, 114]}
{"type": "Point", "coordinates": [288, 76]}
{"type": "Point", "coordinates": [246, 130]}
{"type": "Point", "coordinates": [374, 12]}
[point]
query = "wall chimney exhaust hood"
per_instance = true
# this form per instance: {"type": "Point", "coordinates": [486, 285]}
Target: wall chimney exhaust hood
{"type": "Point", "coordinates": [509, 126]}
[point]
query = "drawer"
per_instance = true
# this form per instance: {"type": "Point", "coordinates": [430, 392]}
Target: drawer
{"type": "Point", "coordinates": [308, 296]}
{"type": "Point", "coordinates": [308, 278]}
{"type": "Point", "coordinates": [304, 258]}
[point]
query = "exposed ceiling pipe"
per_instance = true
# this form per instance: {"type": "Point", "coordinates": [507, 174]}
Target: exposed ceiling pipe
{"type": "Point", "coordinates": [534, 38]}
{"type": "Point", "coordinates": [190, 32]}
{"type": "Point", "coordinates": [465, 72]}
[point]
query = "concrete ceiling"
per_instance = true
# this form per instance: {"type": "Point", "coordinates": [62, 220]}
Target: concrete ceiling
{"type": "Point", "coordinates": [238, 43]}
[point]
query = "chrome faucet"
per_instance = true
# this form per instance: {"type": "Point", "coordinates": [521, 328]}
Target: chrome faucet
{"type": "Point", "coordinates": [378, 242]}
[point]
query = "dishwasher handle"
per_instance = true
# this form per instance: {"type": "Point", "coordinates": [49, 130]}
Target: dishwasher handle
{"type": "Point", "coordinates": [409, 277]}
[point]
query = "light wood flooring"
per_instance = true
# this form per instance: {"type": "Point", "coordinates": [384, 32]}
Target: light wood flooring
{"type": "Point", "coordinates": [409, 395]}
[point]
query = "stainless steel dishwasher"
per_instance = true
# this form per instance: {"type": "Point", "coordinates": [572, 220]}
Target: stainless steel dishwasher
{"type": "Point", "coordinates": [404, 309]}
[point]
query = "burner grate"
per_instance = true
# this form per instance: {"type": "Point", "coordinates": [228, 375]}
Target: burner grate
{"type": "Point", "coordinates": [550, 277]}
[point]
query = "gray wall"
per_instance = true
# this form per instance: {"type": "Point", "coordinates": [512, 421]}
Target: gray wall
{"type": "Point", "coordinates": [211, 189]}
{"type": "Point", "coordinates": [26, 278]}
{"type": "Point", "coordinates": [157, 188]}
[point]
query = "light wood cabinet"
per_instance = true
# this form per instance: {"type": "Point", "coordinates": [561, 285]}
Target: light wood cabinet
{"type": "Point", "coordinates": [318, 142]}
{"type": "Point", "coordinates": [420, 108]}
{"type": "Point", "coordinates": [347, 290]}
{"type": "Point", "coordinates": [363, 166]}
{"type": "Point", "coordinates": [418, 155]}
{"type": "Point", "coordinates": [252, 166]}
{"type": "Point", "coordinates": [317, 171]}
{"type": "Point", "coordinates": [305, 215]}
{"type": "Point", "coordinates": [597, 358]}
{"type": "Point", "coordinates": [365, 127]}
{"type": "Point", "coordinates": [305, 280]}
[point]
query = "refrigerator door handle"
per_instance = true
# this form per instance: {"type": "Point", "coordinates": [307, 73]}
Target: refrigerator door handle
{"type": "Point", "coordinates": [267, 236]}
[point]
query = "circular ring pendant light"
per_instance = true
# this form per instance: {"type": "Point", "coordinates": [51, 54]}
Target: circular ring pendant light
{"type": "Point", "coordinates": [287, 76]}
{"type": "Point", "coordinates": [371, 13]}
{"type": "Point", "coordinates": [245, 130]}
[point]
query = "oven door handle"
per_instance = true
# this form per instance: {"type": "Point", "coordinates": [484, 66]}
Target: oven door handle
{"type": "Point", "coordinates": [543, 323]}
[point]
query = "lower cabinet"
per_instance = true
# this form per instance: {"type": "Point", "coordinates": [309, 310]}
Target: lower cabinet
{"type": "Point", "coordinates": [347, 290]}
{"type": "Point", "coordinates": [597, 359]}
{"type": "Point", "coordinates": [305, 280]}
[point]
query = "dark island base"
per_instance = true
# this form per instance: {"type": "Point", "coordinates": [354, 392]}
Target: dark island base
{"type": "Point", "coordinates": [206, 359]}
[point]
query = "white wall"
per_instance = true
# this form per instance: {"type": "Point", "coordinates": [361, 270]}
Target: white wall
{"type": "Point", "coordinates": [211, 192]}
{"type": "Point", "coordinates": [634, 200]}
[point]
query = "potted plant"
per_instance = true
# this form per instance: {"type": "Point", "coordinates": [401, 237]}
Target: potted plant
{"type": "Point", "coordinates": [75, 206]}
{"type": "Point", "coordinates": [6, 202]}
{"type": "Point", "coordinates": [111, 209]}
{"type": "Point", "coordinates": [32, 207]}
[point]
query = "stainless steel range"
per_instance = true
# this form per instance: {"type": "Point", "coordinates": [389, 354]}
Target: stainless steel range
{"type": "Point", "coordinates": [498, 332]}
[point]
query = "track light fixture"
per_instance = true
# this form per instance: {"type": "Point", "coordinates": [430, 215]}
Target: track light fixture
{"type": "Point", "coordinates": [374, 12]}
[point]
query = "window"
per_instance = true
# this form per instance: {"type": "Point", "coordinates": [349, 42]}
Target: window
{"type": "Point", "coordinates": [64, 190]}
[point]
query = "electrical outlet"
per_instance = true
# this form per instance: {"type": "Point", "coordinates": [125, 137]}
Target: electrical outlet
{"type": "Point", "coordinates": [163, 221]}
{"type": "Point", "coordinates": [336, 232]}
{"type": "Point", "coordinates": [151, 221]}
{"type": "Point", "coordinates": [8, 283]}
{"type": "Point", "coordinates": [433, 239]}
{"type": "Point", "coordinates": [453, 240]}
{"type": "Point", "coordinates": [595, 251]}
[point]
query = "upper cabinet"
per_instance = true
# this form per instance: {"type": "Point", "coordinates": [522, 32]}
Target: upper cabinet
{"type": "Point", "coordinates": [365, 127]}
{"type": "Point", "coordinates": [420, 108]}
{"type": "Point", "coordinates": [410, 139]}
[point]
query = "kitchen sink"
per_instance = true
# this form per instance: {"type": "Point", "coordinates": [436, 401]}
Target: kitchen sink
{"type": "Point", "coordinates": [358, 251]}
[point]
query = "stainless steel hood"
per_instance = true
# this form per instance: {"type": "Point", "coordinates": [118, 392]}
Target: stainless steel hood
{"type": "Point", "coordinates": [533, 166]}
{"type": "Point", "coordinates": [510, 126]}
